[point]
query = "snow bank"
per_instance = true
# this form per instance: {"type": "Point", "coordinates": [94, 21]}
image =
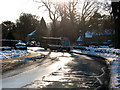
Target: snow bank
{"type": "Point", "coordinates": [5, 48]}
{"type": "Point", "coordinates": [7, 54]}
{"type": "Point", "coordinates": [20, 43]}
{"type": "Point", "coordinates": [35, 48]}
{"type": "Point", "coordinates": [113, 55]}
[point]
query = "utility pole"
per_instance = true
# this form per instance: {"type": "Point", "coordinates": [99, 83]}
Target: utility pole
{"type": "Point", "coordinates": [116, 14]}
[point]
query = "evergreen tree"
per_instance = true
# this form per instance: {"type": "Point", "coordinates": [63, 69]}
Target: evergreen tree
{"type": "Point", "coordinates": [10, 35]}
{"type": "Point", "coordinates": [41, 29]}
{"type": "Point", "coordinates": [26, 24]}
{"type": "Point", "coordinates": [8, 27]}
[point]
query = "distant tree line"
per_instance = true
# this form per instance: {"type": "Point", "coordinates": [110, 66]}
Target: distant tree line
{"type": "Point", "coordinates": [68, 21]}
{"type": "Point", "coordinates": [26, 24]}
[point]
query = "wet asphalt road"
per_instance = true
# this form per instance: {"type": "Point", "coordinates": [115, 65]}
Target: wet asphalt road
{"type": "Point", "coordinates": [81, 72]}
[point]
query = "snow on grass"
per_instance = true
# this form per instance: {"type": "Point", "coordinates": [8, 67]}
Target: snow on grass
{"type": "Point", "coordinates": [5, 48]}
{"type": "Point", "coordinates": [35, 48]}
{"type": "Point", "coordinates": [111, 54]}
{"type": "Point", "coordinates": [8, 54]}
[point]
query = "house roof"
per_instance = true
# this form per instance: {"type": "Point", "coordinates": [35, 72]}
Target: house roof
{"type": "Point", "coordinates": [89, 34]}
{"type": "Point", "coordinates": [79, 39]}
{"type": "Point", "coordinates": [32, 33]}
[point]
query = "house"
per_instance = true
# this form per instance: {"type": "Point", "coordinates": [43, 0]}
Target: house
{"type": "Point", "coordinates": [30, 36]}
{"type": "Point", "coordinates": [96, 38]}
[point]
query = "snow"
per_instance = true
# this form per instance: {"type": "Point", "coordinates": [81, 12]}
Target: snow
{"type": "Point", "coordinates": [35, 48]}
{"type": "Point", "coordinates": [32, 33]}
{"type": "Point", "coordinates": [79, 39]}
{"type": "Point", "coordinates": [5, 48]}
{"type": "Point", "coordinates": [7, 54]}
{"type": "Point", "coordinates": [89, 34]}
{"type": "Point", "coordinates": [20, 43]}
{"type": "Point", "coordinates": [116, 17]}
{"type": "Point", "coordinates": [19, 47]}
{"type": "Point", "coordinates": [8, 40]}
{"type": "Point", "coordinates": [25, 77]}
{"type": "Point", "coordinates": [30, 76]}
{"type": "Point", "coordinates": [104, 46]}
{"type": "Point", "coordinates": [112, 55]}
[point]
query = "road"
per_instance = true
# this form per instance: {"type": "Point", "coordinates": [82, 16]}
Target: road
{"type": "Point", "coordinates": [62, 70]}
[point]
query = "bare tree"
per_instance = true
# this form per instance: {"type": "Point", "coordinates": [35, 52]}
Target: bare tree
{"type": "Point", "coordinates": [73, 15]}
{"type": "Point", "coordinates": [68, 10]}
{"type": "Point", "coordinates": [107, 6]}
{"type": "Point", "coordinates": [68, 14]}
{"type": "Point", "coordinates": [59, 10]}
{"type": "Point", "coordinates": [52, 8]}
{"type": "Point", "coordinates": [89, 8]}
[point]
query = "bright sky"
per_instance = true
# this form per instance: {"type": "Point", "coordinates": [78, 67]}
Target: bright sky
{"type": "Point", "coordinates": [11, 9]}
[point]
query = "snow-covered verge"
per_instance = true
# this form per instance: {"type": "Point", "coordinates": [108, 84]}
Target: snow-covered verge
{"type": "Point", "coordinates": [111, 54]}
{"type": "Point", "coordinates": [8, 54]}
{"type": "Point", "coordinates": [6, 48]}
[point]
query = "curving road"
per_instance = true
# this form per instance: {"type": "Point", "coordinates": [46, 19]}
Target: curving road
{"type": "Point", "coordinates": [62, 70]}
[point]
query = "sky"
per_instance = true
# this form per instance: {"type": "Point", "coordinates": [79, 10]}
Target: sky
{"type": "Point", "coordinates": [11, 9]}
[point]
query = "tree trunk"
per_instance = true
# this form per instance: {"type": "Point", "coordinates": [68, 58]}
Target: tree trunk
{"type": "Point", "coordinates": [116, 14]}
{"type": "Point", "coordinates": [53, 31]}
